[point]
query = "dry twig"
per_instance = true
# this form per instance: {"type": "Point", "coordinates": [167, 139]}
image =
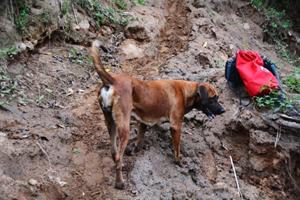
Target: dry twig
{"type": "Point", "coordinates": [43, 150]}
{"type": "Point", "coordinates": [236, 180]}
{"type": "Point", "coordinates": [277, 136]}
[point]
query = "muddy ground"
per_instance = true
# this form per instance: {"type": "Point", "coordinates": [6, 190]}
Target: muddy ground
{"type": "Point", "coordinates": [54, 144]}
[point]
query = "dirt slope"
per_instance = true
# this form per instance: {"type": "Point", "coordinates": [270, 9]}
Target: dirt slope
{"type": "Point", "coordinates": [62, 143]}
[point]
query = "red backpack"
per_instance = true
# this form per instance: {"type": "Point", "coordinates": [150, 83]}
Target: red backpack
{"type": "Point", "coordinates": [257, 79]}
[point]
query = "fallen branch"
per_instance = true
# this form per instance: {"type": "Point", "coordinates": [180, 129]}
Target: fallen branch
{"type": "Point", "coordinates": [290, 118]}
{"type": "Point", "coordinates": [236, 180]}
{"type": "Point", "coordinates": [289, 124]}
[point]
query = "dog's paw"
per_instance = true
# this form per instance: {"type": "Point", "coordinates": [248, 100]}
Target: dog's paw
{"type": "Point", "coordinates": [120, 185]}
{"type": "Point", "coordinates": [178, 162]}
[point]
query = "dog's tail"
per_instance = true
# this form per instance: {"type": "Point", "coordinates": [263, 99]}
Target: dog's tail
{"type": "Point", "coordinates": [104, 75]}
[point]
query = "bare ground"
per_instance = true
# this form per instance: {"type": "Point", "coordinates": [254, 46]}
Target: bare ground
{"type": "Point", "coordinates": [61, 142]}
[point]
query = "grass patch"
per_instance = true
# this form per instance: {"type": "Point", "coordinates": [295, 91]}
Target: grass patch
{"type": "Point", "coordinates": [284, 53]}
{"type": "Point", "coordinates": [121, 4]}
{"type": "Point", "coordinates": [276, 24]}
{"type": "Point", "coordinates": [22, 16]}
{"type": "Point", "coordinates": [292, 81]}
{"type": "Point", "coordinates": [45, 17]}
{"type": "Point", "coordinates": [257, 3]}
{"type": "Point", "coordinates": [105, 15]}
{"type": "Point", "coordinates": [78, 57]}
{"type": "Point", "coordinates": [65, 7]}
{"type": "Point", "coordinates": [7, 87]}
{"type": "Point", "coordinates": [276, 28]}
{"type": "Point", "coordinates": [9, 52]}
{"type": "Point", "coordinates": [141, 2]}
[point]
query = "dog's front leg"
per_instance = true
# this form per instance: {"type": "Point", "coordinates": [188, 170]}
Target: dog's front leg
{"type": "Point", "coordinates": [176, 121]}
{"type": "Point", "coordinates": [140, 136]}
{"type": "Point", "coordinates": [176, 134]}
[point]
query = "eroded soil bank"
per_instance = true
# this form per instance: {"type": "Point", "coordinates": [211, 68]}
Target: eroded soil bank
{"type": "Point", "coordinates": [57, 147]}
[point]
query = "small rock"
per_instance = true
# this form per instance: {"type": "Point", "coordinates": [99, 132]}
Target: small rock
{"type": "Point", "coordinates": [189, 116]}
{"type": "Point", "coordinates": [106, 30]}
{"type": "Point", "coordinates": [148, 24]}
{"type": "Point", "coordinates": [246, 26]}
{"type": "Point", "coordinates": [2, 134]}
{"type": "Point", "coordinates": [131, 50]}
{"type": "Point", "coordinates": [245, 101]}
{"type": "Point", "coordinates": [22, 46]}
{"type": "Point", "coordinates": [231, 46]}
{"type": "Point", "coordinates": [70, 92]}
{"type": "Point", "coordinates": [84, 24]}
{"type": "Point", "coordinates": [33, 182]}
{"type": "Point", "coordinates": [220, 186]}
{"type": "Point", "coordinates": [30, 45]}
{"type": "Point", "coordinates": [137, 32]}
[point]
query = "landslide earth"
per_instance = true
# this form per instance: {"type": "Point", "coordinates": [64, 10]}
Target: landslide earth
{"type": "Point", "coordinates": [54, 143]}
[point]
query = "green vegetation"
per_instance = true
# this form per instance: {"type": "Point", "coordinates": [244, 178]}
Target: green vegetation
{"type": "Point", "coordinates": [39, 99]}
{"type": "Point", "coordinates": [121, 4]}
{"type": "Point", "coordinates": [23, 99]}
{"type": "Point", "coordinates": [7, 86]}
{"type": "Point", "coordinates": [78, 57]}
{"type": "Point", "coordinates": [257, 3]}
{"type": "Point", "coordinates": [276, 27]}
{"type": "Point", "coordinates": [284, 53]}
{"type": "Point", "coordinates": [65, 7]}
{"type": "Point", "coordinates": [292, 81]}
{"type": "Point", "coordinates": [104, 15]}
{"type": "Point", "coordinates": [76, 151]}
{"type": "Point", "coordinates": [219, 63]}
{"type": "Point", "coordinates": [45, 17]}
{"type": "Point", "coordinates": [276, 24]}
{"type": "Point", "coordinates": [67, 27]}
{"type": "Point", "coordinates": [273, 101]}
{"type": "Point", "coordinates": [141, 2]}
{"type": "Point", "coordinates": [8, 52]}
{"type": "Point", "coordinates": [22, 19]}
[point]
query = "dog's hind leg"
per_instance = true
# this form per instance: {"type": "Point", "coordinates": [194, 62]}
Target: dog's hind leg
{"type": "Point", "coordinates": [123, 130]}
{"type": "Point", "coordinates": [111, 126]}
{"type": "Point", "coordinates": [121, 115]}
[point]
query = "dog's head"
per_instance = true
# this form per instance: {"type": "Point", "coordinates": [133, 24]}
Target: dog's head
{"type": "Point", "coordinates": [207, 100]}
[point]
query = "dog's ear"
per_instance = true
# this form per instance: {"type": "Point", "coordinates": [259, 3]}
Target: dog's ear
{"type": "Point", "coordinates": [203, 94]}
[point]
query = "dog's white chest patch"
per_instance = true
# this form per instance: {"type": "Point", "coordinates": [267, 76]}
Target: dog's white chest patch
{"type": "Point", "coordinates": [106, 96]}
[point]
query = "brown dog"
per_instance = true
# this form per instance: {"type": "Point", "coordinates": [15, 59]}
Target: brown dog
{"type": "Point", "coordinates": [122, 96]}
